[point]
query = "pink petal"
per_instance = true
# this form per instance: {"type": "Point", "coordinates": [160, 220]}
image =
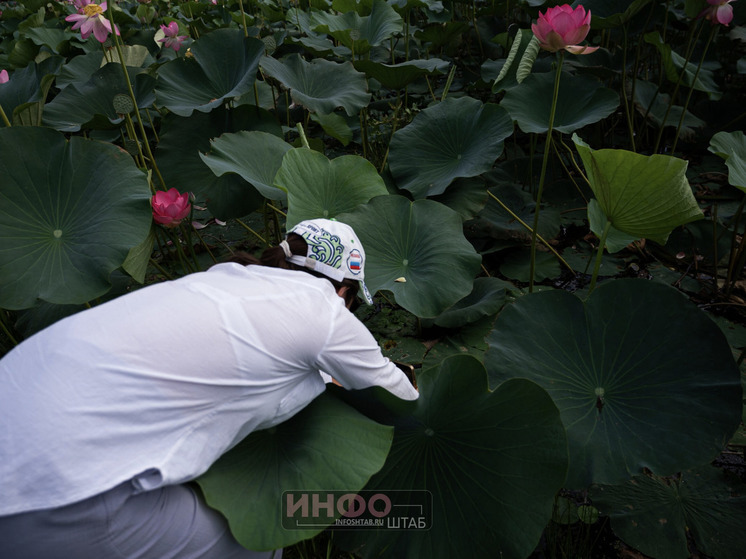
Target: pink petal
{"type": "Point", "coordinates": [564, 25]}
{"type": "Point", "coordinates": [578, 49]}
{"type": "Point", "coordinates": [4, 76]}
{"type": "Point", "coordinates": [724, 14]}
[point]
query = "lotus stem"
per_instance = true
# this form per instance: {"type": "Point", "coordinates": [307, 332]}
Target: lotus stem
{"type": "Point", "coordinates": [627, 113]}
{"type": "Point", "coordinates": [117, 45]}
{"type": "Point", "coordinates": [302, 133]}
{"type": "Point", "coordinates": [713, 33]}
{"type": "Point", "coordinates": [6, 329]}
{"type": "Point", "coordinates": [250, 230]}
{"type": "Point", "coordinates": [690, 49]}
{"type": "Point", "coordinates": [530, 230]}
{"type": "Point", "coordinates": [243, 18]}
{"type": "Point", "coordinates": [448, 82]}
{"type": "Point", "coordinates": [161, 269]}
{"type": "Point", "coordinates": [532, 264]}
{"type": "Point", "coordinates": [4, 117]}
{"type": "Point", "coordinates": [599, 255]}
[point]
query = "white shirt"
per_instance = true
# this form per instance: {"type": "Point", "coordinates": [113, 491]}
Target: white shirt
{"type": "Point", "coordinates": [157, 384]}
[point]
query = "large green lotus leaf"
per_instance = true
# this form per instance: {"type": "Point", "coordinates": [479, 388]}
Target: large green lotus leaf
{"type": "Point", "coordinates": [223, 65]}
{"type": "Point", "coordinates": [178, 157]}
{"type": "Point", "coordinates": [29, 85]}
{"type": "Point", "coordinates": [320, 85]}
{"type": "Point", "coordinates": [493, 462]}
{"type": "Point", "coordinates": [318, 187]}
{"type": "Point", "coordinates": [78, 104]}
{"type": "Point", "coordinates": [731, 146]}
{"type": "Point", "coordinates": [417, 250]}
{"type": "Point", "coordinates": [459, 137]}
{"type": "Point", "coordinates": [397, 76]}
{"type": "Point", "coordinates": [654, 514]}
{"type": "Point", "coordinates": [642, 377]}
{"type": "Point", "coordinates": [328, 446]}
{"type": "Point", "coordinates": [70, 211]}
{"type": "Point", "coordinates": [582, 100]}
{"type": "Point", "coordinates": [255, 156]}
{"type": "Point", "coordinates": [360, 33]}
{"type": "Point", "coordinates": [643, 196]}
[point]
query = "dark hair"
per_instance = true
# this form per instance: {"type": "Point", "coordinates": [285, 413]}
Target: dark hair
{"type": "Point", "coordinates": [274, 257]}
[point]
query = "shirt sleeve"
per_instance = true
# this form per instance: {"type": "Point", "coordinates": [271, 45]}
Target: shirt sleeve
{"type": "Point", "coordinates": [352, 356]}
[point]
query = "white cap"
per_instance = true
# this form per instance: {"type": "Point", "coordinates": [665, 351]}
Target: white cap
{"type": "Point", "coordinates": [333, 250]}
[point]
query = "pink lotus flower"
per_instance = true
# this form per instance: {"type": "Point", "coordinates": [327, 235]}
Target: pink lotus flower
{"type": "Point", "coordinates": [172, 39]}
{"type": "Point", "coordinates": [91, 19]}
{"type": "Point", "coordinates": [170, 207]}
{"type": "Point", "coordinates": [4, 77]}
{"type": "Point", "coordinates": [719, 11]}
{"type": "Point", "coordinates": [561, 27]}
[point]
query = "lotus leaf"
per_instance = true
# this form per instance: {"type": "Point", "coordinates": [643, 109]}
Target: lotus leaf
{"type": "Point", "coordinates": [398, 76]}
{"type": "Point", "coordinates": [70, 211]}
{"type": "Point", "coordinates": [29, 85]}
{"type": "Point", "coordinates": [328, 446]}
{"type": "Point", "coordinates": [643, 196]}
{"type": "Point", "coordinates": [655, 515]}
{"type": "Point", "coordinates": [321, 85]}
{"type": "Point", "coordinates": [731, 146]}
{"type": "Point", "coordinates": [582, 100]}
{"type": "Point", "coordinates": [255, 156]}
{"type": "Point", "coordinates": [223, 65]}
{"type": "Point", "coordinates": [635, 389]}
{"type": "Point", "coordinates": [486, 299]}
{"type": "Point", "coordinates": [358, 33]}
{"type": "Point", "coordinates": [493, 462]}
{"type": "Point", "coordinates": [417, 250]}
{"type": "Point", "coordinates": [318, 187]}
{"type": "Point", "coordinates": [459, 137]}
{"type": "Point", "coordinates": [178, 156]}
{"type": "Point", "coordinates": [78, 104]}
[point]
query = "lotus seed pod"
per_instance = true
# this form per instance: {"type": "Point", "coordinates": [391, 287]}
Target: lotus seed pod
{"type": "Point", "coordinates": [123, 104]}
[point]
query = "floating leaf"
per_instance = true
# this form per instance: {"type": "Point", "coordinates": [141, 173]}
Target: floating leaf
{"type": "Point", "coordinates": [643, 196]}
{"type": "Point", "coordinates": [655, 515]}
{"type": "Point", "coordinates": [493, 462]}
{"type": "Point", "coordinates": [422, 241]}
{"type": "Point", "coordinates": [459, 137]}
{"type": "Point", "coordinates": [635, 389]}
{"type": "Point", "coordinates": [70, 211]}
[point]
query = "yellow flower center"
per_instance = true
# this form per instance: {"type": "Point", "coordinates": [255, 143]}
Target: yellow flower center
{"type": "Point", "coordinates": [91, 10]}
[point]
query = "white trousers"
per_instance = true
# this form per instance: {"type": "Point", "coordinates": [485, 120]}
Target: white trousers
{"type": "Point", "coordinates": [172, 522]}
